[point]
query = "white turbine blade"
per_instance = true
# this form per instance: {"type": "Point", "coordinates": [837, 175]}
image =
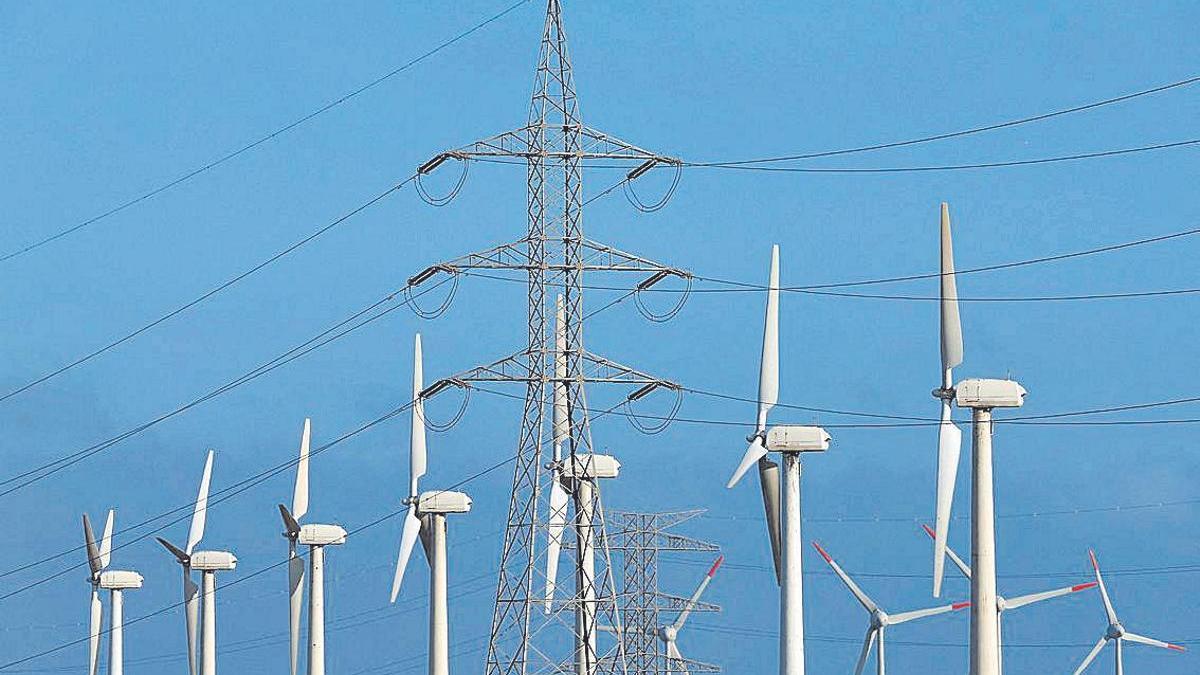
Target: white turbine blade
{"type": "Point", "coordinates": [905, 617]}
{"type": "Point", "coordinates": [95, 616]}
{"type": "Point", "coordinates": [106, 540]}
{"type": "Point", "coordinates": [191, 615]}
{"type": "Point", "coordinates": [755, 452]}
{"type": "Point", "coordinates": [863, 598]}
{"type": "Point", "coordinates": [768, 374]}
{"type": "Point", "coordinates": [768, 480]}
{"type": "Point", "coordinates": [557, 524]}
{"type": "Point", "coordinates": [949, 449]}
{"type": "Point", "coordinates": [962, 566]}
{"type": "Point", "coordinates": [200, 514]}
{"type": "Point", "coordinates": [1091, 655]}
{"type": "Point", "coordinates": [295, 603]}
{"type": "Point", "coordinates": [93, 550]}
{"type": "Point", "coordinates": [408, 539]}
{"type": "Point", "coordinates": [868, 642]}
{"type": "Point", "coordinates": [1021, 601]}
{"type": "Point", "coordinates": [300, 493]}
{"type": "Point", "coordinates": [674, 653]}
{"type": "Point", "coordinates": [1142, 639]}
{"type": "Point", "coordinates": [1108, 608]}
{"type": "Point", "coordinates": [952, 341]}
{"type": "Point", "coordinates": [691, 603]}
{"type": "Point", "coordinates": [562, 424]}
{"type": "Point", "coordinates": [416, 446]}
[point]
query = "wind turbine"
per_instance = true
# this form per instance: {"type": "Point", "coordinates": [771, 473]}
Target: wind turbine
{"type": "Point", "coordinates": [209, 563]}
{"type": "Point", "coordinates": [1003, 604]}
{"type": "Point", "coordinates": [670, 632]}
{"type": "Point", "coordinates": [880, 620]}
{"type": "Point", "coordinates": [981, 396]}
{"type": "Point", "coordinates": [116, 582]}
{"type": "Point", "coordinates": [562, 429]}
{"type": "Point", "coordinates": [427, 518]}
{"type": "Point", "coordinates": [786, 542]}
{"type": "Point", "coordinates": [316, 537]}
{"type": "Point", "coordinates": [1116, 632]}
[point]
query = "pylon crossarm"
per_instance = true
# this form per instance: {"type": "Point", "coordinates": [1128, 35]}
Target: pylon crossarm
{"type": "Point", "coordinates": [515, 144]}
{"type": "Point", "coordinates": [605, 258]}
{"type": "Point", "coordinates": [673, 603]}
{"type": "Point", "coordinates": [607, 370]}
{"type": "Point", "coordinates": [511, 256]}
{"type": "Point", "coordinates": [512, 368]}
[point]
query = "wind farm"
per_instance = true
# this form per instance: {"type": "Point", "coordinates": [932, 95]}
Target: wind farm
{"type": "Point", "coordinates": [568, 477]}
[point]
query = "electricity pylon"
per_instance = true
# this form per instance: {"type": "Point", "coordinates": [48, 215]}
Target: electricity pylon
{"type": "Point", "coordinates": [555, 146]}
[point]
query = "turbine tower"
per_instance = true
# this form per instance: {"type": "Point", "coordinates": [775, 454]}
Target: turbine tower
{"type": "Point", "coordinates": [1004, 604]}
{"type": "Point", "coordinates": [783, 518]}
{"type": "Point", "coordinates": [426, 519]}
{"type": "Point", "coordinates": [1116, 632]}
{"type": "Point", "coordinates": [209, 563]}
{"type": "Point", "coordinates": [880, 620]}
{"type": "Point", "coordinates": [316, 537]}
{"type": "Point", "coordinates": [555, 145]}
{"type": "Point", "coordinates": [981, 396]}
{"type": "Point", "coordinates": [116, 582]}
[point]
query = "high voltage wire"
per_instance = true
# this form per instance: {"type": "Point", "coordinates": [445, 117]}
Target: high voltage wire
{"type": "Point", "coordinates": [259, 141]}
{"type": "Point", "coordinates": [964, 132]}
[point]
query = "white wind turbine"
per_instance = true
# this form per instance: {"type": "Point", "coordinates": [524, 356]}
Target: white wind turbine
{"type": "Point", "coordinates": [316, 537]}
{"type": "Point", "coordinates": [982, 396]}
{"type": "Point", "coordinates": [786, 542]}
{"type": "Point", "coordinates": [561, 430]}
{"type": "Point", "coordinates": [880, 620]}
{"type": "Point", "coordinates": [427, 518]}
{"type": "Point", "coordinates": [670, 632]}
{"type": "Point", "coordinates": [209, 563]}
{"type": "Point", "coordinates": [1004, 604]}
{"type": "Point", "coordinates": [1116, 632]}
{"type": "Point", "coordinates": [116, 582]}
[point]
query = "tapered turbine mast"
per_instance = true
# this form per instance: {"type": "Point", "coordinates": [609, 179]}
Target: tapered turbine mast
{"type": "Point", "coordinates": [1004, 604]}
{"type": "Point", "coordinates": [316, 537]}
{"type": "Point", "coordinates": [880, 620]}
{"type": "Point", "coordinates": [783, 516]}
{"type": "Point", "coordinates": [1116, 632]}
{"type": "Point", "coordinates": [116, 582]}
{"type": "Point", "coordinates": [426, 519]}
{"type": "Point", "coordinates": [209, 563]}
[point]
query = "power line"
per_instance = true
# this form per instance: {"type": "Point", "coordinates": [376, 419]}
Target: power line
{"type": "Point", "coordinates": [257, 142]}
{"type": "Point", "coordinates": [964, 132]}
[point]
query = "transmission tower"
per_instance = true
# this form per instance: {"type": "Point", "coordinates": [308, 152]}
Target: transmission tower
{"type": "Point", "coordinates": [641, 538]}
{"type": "Point", "coordinates": [529, 635]}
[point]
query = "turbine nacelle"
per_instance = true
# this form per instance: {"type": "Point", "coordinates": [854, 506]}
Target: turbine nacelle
{"type": "Point", "coordinates": [213, 561]}
{"type": "Point", "coordinates": [590, 467]}
{"type": "Point", "coordinates": [443, 501]}
{"type": "Point", "coordinates": [796, 438]}
{"type": "Point", "coordinates": [315, 534]}
{"type": "Point", "coordinates": [119, 580]}
{"type": "Point", "coordinates": [987, 394]}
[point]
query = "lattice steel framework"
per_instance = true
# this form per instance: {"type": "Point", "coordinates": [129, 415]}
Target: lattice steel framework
{"type": "Point", "coordinates": [640, 539]}
{"type": "Point", "coordinates": [555, 145]}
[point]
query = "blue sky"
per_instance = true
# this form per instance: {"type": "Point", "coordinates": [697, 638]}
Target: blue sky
{"type": "Point", "coordinates": [106, 103]}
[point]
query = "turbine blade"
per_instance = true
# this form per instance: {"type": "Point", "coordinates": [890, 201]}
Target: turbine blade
{"type": "Point", "coordinates": [295, 603]}
{"type": "Point", "coordinates": [868, 642]}
{"type": "Point", "coordinates": [416, 446]}
{"type": "Point", "coordinates": [755, 452]}
{"type": "Point", "coordinates": [95, 617]}
{"type": "Point", "coordinates": [556, 526]}
{"type": "Point", "coordinates": [200, 514]}
{"type": "Point", "coordinates": [191, 615]}
{"type": "Point", "coordinates": [1142, 639]}
{"type": "Point", "coordinates": [174, 550]}
{"type": "Point", "coordinates": [962, 566]}
{"type": "Point", "coordinates": [93, 551]}
{"type": "Point", "coordinates": [862, 598]}
{"type": "Point", "coordinates": [952, 341]}
{"type": "Point", "coordinates": [562, 417]}
{"type": "Point", "coordinates": [768, 480]}
{"type": "Point", "coordinates": [106, 540]}
{"type": "Point", "coordinates": [289, 521]}
{"type": "Point", "coordinates": [674, 653]}
{"type": "Point", "coordinates": [949, 449]}
{"type": "Point", "coordinates": [1014, 603]}
{"type": "Point", "coordinates": [1091, 655]}
{"type": "Point", "coordinates": [691, 603]}
{"type": "Point", "coordinates": [408, 539]}
{"type": "Point", "coordinates": [768, 374]}
{"type": "Point", "coordinates": [300, 492]}
{"type": "Point", "coordinates": [1108, 608]}
{"type": "Point", "coordinates": [905, 617]}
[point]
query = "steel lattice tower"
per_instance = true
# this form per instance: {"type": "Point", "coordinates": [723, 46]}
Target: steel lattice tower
{"type": "Point", "coordinates": [555, 145]}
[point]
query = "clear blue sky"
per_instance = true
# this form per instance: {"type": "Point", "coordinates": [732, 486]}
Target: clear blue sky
{"type": "Point", "coordinates": [104, 103]}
